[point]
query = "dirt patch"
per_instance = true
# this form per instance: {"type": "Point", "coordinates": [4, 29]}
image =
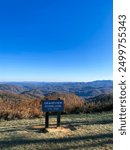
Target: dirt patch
{"type": "Point", "coordinates": [59, 129]}
{"type": "Point", "coordinates": [64, 130]}
{"type": "Point", "coordinates": [38, 127]}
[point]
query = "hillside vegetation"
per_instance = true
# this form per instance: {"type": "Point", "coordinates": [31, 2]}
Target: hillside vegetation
{"type": "Point", "coordinates": [24, 100]}
{"type": "Point", "coordinates": [19, 106]}
{"type": "Point", "coordinates": [14, 106]}
{"type": "Point", "coordinates": [99, 103]}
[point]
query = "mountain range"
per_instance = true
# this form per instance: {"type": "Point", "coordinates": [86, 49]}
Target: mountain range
{"type": "Point", "coordinates": [24, 99]}
{"type": "Point", "coordinates": [82, 89]}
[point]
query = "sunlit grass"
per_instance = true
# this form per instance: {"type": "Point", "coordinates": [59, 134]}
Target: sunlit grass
{"type": "Point", "coordinates": [82, 131]}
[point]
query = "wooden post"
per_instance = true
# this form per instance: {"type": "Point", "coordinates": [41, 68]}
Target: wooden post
{"type": "Point", "coordinates": [47, 120]}
{"type": "Point", "coordinates": [58, 119]}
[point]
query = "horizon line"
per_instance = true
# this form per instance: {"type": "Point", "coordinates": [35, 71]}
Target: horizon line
{"type": "Point", "coordinates": [59, 81]}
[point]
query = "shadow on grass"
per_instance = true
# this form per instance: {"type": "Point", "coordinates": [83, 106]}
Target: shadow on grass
{"type": "Point", "coordinates": [87, 146]}
{"type": "Point", "coordinates": [22, 141]}
{"type": "Point", "coordinates": [79, 123]}
{"type": "Point", "coordinates": [69, 124]}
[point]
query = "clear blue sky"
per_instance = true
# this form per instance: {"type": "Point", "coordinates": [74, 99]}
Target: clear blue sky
{"type": "Point", "coordinates": [55, 40]}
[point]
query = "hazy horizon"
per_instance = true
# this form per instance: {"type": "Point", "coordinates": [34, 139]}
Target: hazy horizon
{"type": "Point", "coordinates": [56, 81]}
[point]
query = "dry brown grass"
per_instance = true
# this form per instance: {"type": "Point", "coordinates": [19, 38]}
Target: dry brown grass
{"type": "Point", "coordinates": [77, 132]}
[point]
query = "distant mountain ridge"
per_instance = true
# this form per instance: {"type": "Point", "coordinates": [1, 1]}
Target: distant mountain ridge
{"type": "Point", "coordinates": [12, 88]}
{"type": "Point", "coordinates": [82, 89]}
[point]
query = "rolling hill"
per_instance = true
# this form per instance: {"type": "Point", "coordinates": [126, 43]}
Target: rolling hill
{"type": "Point", "coordinates": [82, 89]}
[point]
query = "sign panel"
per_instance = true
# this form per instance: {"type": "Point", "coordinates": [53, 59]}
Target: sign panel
{"type": "Point", "coordinates": [53, 105]}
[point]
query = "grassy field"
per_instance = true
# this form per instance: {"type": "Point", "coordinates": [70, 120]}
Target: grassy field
{"type": "Point", "coordinates": [77, 132]}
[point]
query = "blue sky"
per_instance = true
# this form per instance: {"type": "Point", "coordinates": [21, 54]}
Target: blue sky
{"type": "Point", "coordinates": [55, 40]}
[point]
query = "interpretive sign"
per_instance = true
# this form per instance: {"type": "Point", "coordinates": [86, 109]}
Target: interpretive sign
{"type": "Point", "coordinates": [53, 106]}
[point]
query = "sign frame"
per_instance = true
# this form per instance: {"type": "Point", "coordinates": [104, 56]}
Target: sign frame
{"type": "Point", "coordinates": [53, 106]}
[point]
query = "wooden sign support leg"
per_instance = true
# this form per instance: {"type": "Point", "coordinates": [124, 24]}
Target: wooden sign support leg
{"type": "Point", "coordinates": [58, 119]}
{"type": "Point", "coordinates": [47, 120]}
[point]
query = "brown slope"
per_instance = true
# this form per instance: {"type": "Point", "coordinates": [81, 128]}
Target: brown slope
{"type": "Point", "coordinates": [72, 103]}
